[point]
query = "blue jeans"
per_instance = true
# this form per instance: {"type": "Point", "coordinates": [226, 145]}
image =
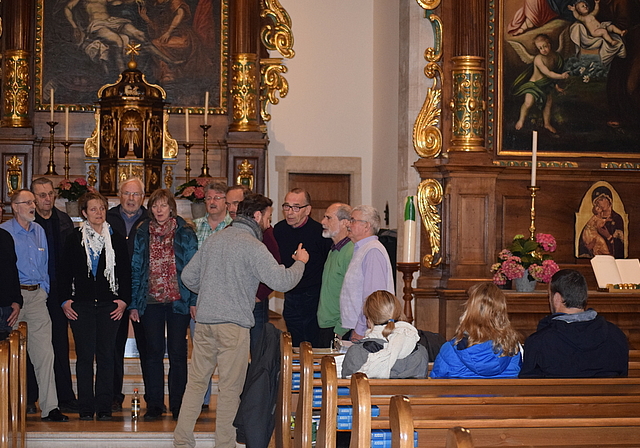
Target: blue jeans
{"type": "Point", "coordinates": [300, 315]}
{"type": "Point", "coordinates": [153, 321]}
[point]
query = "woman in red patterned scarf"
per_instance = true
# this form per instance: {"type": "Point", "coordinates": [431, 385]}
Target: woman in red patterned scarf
{"type": "Point", "coordinates": [163, 246]}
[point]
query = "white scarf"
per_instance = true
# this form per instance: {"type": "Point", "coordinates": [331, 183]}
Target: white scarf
{"type": "Point", "coordinates": [95, 242]}
{"type": "Point", "coordinates": [402, 342]}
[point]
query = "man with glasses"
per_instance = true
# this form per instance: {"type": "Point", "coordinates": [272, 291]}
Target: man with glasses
{"type": "Point", "coordinates": [301, 303]}
{"type": "Point", "coordinates": [217, 217]}
{"type": "Point", "coordinates": [32, 253]}
{"type": "Point", "coordinates": [369, 270]}
{"type": "Point", "coordinates": [124, 219]}
{"type": "Point", "coordinates": [57, 226]}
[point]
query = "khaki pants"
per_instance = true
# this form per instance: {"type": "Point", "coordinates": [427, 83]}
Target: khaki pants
{"type": "Point", "coordinates": [226, 345]}
{"type": "Point", "coordinates": [34, 312]}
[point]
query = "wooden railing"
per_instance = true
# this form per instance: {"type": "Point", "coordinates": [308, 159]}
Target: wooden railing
{"type": "Point", "coordinates": [13, 384]}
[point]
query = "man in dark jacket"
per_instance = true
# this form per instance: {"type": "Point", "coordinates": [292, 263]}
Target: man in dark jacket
{"type": "Point", "coordinates": [57, 226]}
{"type": "Point", "coordinates": [124, 219]}
{"type": "Point", "coordinates": [10, 297]}
{"type": "Point", "coordinates": [574, 342]}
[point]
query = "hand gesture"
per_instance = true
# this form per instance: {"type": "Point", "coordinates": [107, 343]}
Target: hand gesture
{"type": "Point", "coordinates": [301, 254]}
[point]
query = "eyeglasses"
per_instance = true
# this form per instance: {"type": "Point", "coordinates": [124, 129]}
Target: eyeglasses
{"type": "Point", "coordinates": [352, 221]}
{"type": "Point", "coordinates": [46, 195]}
{"type": "Point", "coordinates": [295, 208]}
{"type": "Point", "coordinates": [135, 194]}
{"type": "Point", "coordinates": [29, 202]}
{"type": "Point", "coordinates": [215, 198]}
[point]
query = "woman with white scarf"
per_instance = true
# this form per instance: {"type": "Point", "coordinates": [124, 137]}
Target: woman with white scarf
{"type": "Point", "coordinates": [390, 347]}
{"type": "Point", "coordinates": [97, 290]}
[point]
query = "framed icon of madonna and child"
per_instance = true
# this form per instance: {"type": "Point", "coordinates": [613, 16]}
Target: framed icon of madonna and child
{"type": "Point", "coordinates": [569, 69]}
{"type": "Point", "coordinates": [81, 46]}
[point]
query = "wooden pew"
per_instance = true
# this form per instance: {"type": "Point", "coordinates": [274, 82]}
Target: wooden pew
{"type": "Point", "coordinates": [459, 437]}
{"type": "Point", "coordinates": [601, 419]}
{"type": "Point", "coordinates": [18, 384]}
{"type": "Point", "coordinates": [5, 436]}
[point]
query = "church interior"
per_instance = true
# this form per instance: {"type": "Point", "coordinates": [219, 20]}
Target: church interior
{"type": "Point", "coordinates": [364, 102]}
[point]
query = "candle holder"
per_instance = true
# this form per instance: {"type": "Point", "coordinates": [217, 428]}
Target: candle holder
{"type": "Point", "coordinates": [187, 160]}
{"type": "Point", "coordinates": [67, 166]}
{"type": "Point", "coordinates": [407, 269]}
{"type": "Point", "coordinates": [205, 151]}
{"type": "Point", "coordinates": [532, 227]}
{"type": "Point", "coordinates": [51, 167]}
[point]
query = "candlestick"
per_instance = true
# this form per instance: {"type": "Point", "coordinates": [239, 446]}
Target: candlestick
{"type": "Point", "coordinates": [66, 123]}
{"type": "Point", "coordinates": [67, 166]}
{"type": "Point", "coordinates": [51, 167]}
{"type": "Point", "coordinates": [187, 160]}
{"type": "Point", "coordinates": [407, 270]}
{"type": "Point", "coordinates": [532, 226]}
{"type": "Point", "coordinates": [205, 150]}
{"type": "Point", "coordinates": [206, 107]}
{"type": "Point", "coordinates": [186, 125]}
{"type": "Point", "coordinates": [534, 158]}
{"type": "Point", "coordinates": [52, 106]}
{"type": "Point", "coordinates": [410, 227]}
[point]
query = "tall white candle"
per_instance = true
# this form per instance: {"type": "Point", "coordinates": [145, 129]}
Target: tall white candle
{"type": "Point", "coordinates": [52, 105]}
{"type": "Point", "coordinates": [534, 158]}
{"type": "Point", "coordinates": [66, 124]}
{"type": "Point", "coordinates": [186, 125]}
{"type": "Point", "coordinates": [410, 228]}
{"type": "Point", "coordinates": [206, 106]}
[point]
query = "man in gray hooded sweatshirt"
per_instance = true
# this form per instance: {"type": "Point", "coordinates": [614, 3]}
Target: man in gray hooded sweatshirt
{"type": "Point", "coordinates": [225, 273]}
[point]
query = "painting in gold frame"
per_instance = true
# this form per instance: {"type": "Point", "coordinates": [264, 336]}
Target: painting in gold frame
{"type": "Point", "coordinates": [595, 111]}
{"type": "Point", "coordinates": [80, 47]}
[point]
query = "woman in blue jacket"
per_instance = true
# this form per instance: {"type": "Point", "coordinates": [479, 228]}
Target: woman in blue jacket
{"type": "Point", "coordinates": [163, 246]}
{"type": "Point", "coordinates": [485, 344]}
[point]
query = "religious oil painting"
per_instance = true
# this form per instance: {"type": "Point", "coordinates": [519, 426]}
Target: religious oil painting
{"type": "Point", "coordinates": [81, 45]}
{"type": "Point", "coordinates": [602, 225]}
{"type": "Point", "coordinates": [569, 69]}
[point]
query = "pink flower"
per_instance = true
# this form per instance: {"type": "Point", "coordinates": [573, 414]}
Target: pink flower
{"type": "Point", "coordinates": [512, 268]}
{"type": "Point", "coordinates": [504, 254]}
{"type": "Point", "coordinates": [499, 279]}
{"type": "Point", "coordinates": [545, 272]}
{"type": "Point", "coordinates": [81, 181]}
{"type": "Point", "coordinates": [198, 192]}
{"type": "Point", "coordinates": [547, 241]}
{"type": "Point", "coordinates": [203, 181]}
{"type": "Point", "coordinates": [65, 184]}
{"type": "Point", "coordinates": [188, 192]}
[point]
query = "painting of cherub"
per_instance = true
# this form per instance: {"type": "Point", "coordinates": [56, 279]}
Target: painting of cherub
{"type": "Point", "coordinates": [583, 95]}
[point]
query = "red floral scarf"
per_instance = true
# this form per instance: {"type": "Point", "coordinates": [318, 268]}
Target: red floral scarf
{"type": "Point", "coordinates": [163, 276]}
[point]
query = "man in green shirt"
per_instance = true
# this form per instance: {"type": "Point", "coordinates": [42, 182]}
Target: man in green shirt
{"type": "Point", "coordinates": [334, 225]}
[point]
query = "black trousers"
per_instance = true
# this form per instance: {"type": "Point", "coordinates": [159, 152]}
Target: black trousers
{"type": "Point", "coordinates": [94, 333]}
{"type": "Point", "coordinates": [121, 343]}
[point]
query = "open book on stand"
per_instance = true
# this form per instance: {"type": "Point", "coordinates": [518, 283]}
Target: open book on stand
{"type": "Point", "coordinates": [616, 275]}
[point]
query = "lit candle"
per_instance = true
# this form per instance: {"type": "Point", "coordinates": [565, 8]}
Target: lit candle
{"type": "Point", "coordinates": [66, 124]}
{"type": "Point", "coordinates": [534, 158]}
{"type": "Point", "coordinates": [410, 228]}
{"type": "Point", "coordinates": [206, 106]}
{"type": "Point", "coordinates": [52, 106]}
{"type": "Point", "coordinates": [186, 125]}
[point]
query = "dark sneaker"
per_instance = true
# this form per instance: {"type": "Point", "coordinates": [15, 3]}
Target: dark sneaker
{"type": "Point", "coordinates": [104, 416]}
{"type": "Point", "coordinates": [56, 416]}
{"type": "Point", "coordinates": [86, 416]}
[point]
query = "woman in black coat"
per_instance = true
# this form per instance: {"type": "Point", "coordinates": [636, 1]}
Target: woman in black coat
{"type": "Point", "coordinates": [97, 290]}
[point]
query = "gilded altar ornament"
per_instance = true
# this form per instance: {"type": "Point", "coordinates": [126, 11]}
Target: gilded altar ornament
{"type": "Point", "coordinates": [467, 104]}
{"type": "Point", "coordinates": [16, 89]}
{"type": "Point", "coordinates": [429, 198]}
{"type": "Point", "coordinates": [14, 175]}
{"type": "Point", "coordinates": [245, 174]}
{"type": "Point", "coordinates": [427, 137]}
{"type": "Point", "coordinates": [92, 175]}
{"type": "Point", "coordinates": [170, 147]}
{"type": "Point", "coordinates": [277, 35]}
{"type": "Point", "coordinates": [428, 4]}
{"type": "Point", "coordinates": [273, 83]}
{"type": "Point", "coordinates": [244, 93]}
{"type": "Point", "coordinates": [168, 176]}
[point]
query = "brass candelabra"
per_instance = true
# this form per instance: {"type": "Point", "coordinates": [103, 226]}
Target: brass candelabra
{"type": "Point", "coordinates": [67, 166]}
{"type": "Point", "coordinates": [532, 227]}
{"type": "Point", "coordinates": [51, 167]}
{"type": "Point", "coordinates": [187, 160]}
{"type": "Point", "coordinates": [205, 151]}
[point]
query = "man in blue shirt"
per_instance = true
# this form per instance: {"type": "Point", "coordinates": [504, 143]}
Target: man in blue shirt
{"type": "Point", "coordinates": [32, 253]}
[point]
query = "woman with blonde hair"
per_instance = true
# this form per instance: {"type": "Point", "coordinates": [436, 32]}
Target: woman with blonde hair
{"type": "Point", "coordinates": [390, 347]}
{"type": "Point", "coordinates": [485, 344]}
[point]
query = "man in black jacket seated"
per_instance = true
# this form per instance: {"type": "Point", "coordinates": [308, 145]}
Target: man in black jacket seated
{"type": "Point", "coordinates": [574, 342]}
{"type": "Point", "coordinates": [124, 219]}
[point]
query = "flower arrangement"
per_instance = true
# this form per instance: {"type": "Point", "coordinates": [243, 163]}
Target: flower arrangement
{"type": "Point", "coordinates": [72, 190]}
{"type": "Point", "coordinates": [193, 190]}
{"type": "Point", "coordinates": [525, 256]}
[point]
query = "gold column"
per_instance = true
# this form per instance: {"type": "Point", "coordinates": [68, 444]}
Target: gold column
{"type": "Point", "coordinates": [15, 111]}
{"type": "Point", "coordinates": [244, 86]}
{"type": "Point", "coordinates": [467, 104]}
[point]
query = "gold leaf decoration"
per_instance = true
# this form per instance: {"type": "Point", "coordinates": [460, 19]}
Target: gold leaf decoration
{"type": "Point", "coordinates": [429, 198]}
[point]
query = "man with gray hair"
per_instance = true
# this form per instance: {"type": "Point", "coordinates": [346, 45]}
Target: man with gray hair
{"type": "Point", "coordinates": [217, 217]}
{"type": "Point", "coordinates": [335, 224]}
{"type": "Point", "coordinates": [124, 219]}
{"type": "Point", "coordinates": [369, 270]}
